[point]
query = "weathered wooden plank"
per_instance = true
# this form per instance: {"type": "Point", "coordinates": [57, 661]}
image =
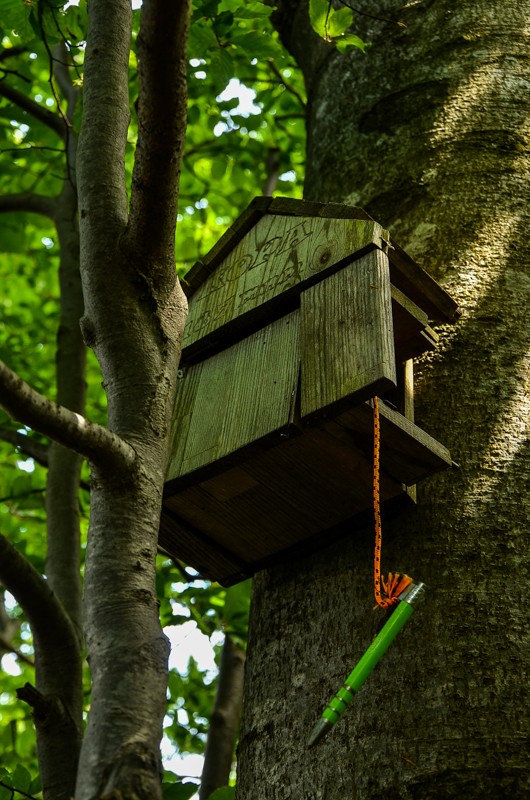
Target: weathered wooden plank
{"type": "Point", "coordinates": [279, 497]}
{"type": "Point", "coordinates": [251, 525]}
{"type": "Point", "coordinates": [188, 383]}
{"type": "Point", "coordinates": [192, 546]}
{"type": "Point", "coordinates": [279, 254]}
{"type": "Point", "coordinates": [420, 287]}
{"type": "Point", "coordinates": [408, 454]}
{"type": "Point", "coordinates": [408, 389]}
{"type": "Point", "coordinates": [239, 396]}
{"type": "Point", "coordinates": [347, 344]}
{"type": "Point", "coordinates": [204, 267]}
{"type": "Point", "coordinates": [412, 334]}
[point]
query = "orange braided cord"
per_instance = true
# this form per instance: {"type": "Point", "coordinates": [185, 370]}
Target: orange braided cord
{"type": "Point", "coordinates": [395, 582]}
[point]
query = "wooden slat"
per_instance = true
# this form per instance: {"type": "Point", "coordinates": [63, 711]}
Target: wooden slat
{"type": "Point", "coordinates": [420, 287]}
{"type": "Point", "coordinates": [237, 397]}
{"type": "Point", "coordinates": [408, 454]}
{"type": "Point", "coordinates": [280, 254]}
{"type": "Point", "coordinates": [203, 268]}
{"type": "Point", "coordinates": [192, 546]}
{"type": "Point", "coordinates": [347, 345]}
{"type": "Point", "coordinates": [412, 334]}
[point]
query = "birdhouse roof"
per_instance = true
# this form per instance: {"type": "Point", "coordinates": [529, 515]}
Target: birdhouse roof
{"type": "Point", "coordinates": [406, 274]}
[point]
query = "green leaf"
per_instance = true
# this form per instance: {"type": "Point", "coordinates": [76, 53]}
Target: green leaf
{"type": "Point", "coordinates": [223, 793]}
{"type": "Point", "coordinates": [327, 22]}
{"type": "Point", "coordinates": [75, 22]}
{"type": "Point", "coordinates": [319, 11]}
{"type": "Point", "coordinates": [222, 66]}
{"type": "Point", "coordinates": [15, 16]}
{"type": "Point", "coordinates": [178, 791]}
{"type": "Point", "coordinates": [21, 778]}
{"type": "Point", "coordinates": [255, 44]}
{"type": "Point", "coordinates": [339, 21]}
{"type": "Point", "coordinates": [351, 42]}
{"type": "Point", "coordinates": [219, 166]}
{"type": "Point", "coordinates": [237, 605]}
{"type": "Point", "coordinates": [202, 39]}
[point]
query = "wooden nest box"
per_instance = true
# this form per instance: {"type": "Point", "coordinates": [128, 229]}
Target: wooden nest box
{"type": "Point", "coordinates": [299, 315]}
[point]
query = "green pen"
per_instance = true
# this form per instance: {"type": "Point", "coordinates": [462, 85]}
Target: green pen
{"type": "Point", "coordinates": [367, 662]}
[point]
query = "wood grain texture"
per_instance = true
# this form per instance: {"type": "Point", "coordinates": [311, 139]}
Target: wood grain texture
{"type": "Point", "coordinates": [412, 333]}
{"type": "Point", "coordinates": [346, 336]}
{"type": "Point", "coordinates": [407, 453]}
{"type": "Point", "coordinates": [273, 501]}
{"type": "Point", "coordinates": [237, 397]}
{"type": "Point", "coordinates": [276, 255]}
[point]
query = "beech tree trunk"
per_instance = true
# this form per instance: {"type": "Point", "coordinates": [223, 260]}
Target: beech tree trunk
{"type": "Point", "coordinates": [428, 132]}
{"type": "Point", "coordinates": [224, 720]}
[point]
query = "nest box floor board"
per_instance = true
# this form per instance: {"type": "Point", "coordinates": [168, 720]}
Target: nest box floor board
{"type": "Point", "coordinates": [278, 498]}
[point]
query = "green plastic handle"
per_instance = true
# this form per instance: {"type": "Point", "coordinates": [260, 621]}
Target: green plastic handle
{"type": "Point", "coordinates": [367, 662]}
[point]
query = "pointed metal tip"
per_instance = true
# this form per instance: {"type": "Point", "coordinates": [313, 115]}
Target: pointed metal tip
{"type": "Point", "coordinates": [319, 731]}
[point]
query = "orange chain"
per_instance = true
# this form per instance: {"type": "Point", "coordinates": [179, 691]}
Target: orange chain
{"type": "Point", "coordinates": [395, 582]}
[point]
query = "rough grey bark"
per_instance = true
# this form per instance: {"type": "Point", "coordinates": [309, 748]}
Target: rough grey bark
{"type": "Point", "coordinates": [428, 132]}
{"type": "Point", "coordinates": [134, 318]}
{"type": "Point", "coordinates": [224, 720]}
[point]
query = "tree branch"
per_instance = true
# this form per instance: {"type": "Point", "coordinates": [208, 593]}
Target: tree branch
{"type": "Point", "coordinates": [8, 647]}
{"type": "Point", "coordinates": [28, 446]}
{"type": "Point", "coordinates": [66, 427]}
{"type": "Point", "coordinates": [288, 87]}
{"type": "Point", "coordinates": [162, 110]}
{"type": "Point", "coordinates": [37, 112]}
{"type": "Point", "coordinates": [48, 619]}
{"type": "Point", "coordinates": [9, 52]}
{"type": "Point", "coordinates": [28, 202]}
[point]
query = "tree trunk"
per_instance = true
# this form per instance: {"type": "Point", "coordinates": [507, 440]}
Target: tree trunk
{"type": "Point", "coordinates": [224, 720]}
{"type": "Point", "coordinates": [134, 319]}
{"type": "Point", "coordinates": [429, 133]}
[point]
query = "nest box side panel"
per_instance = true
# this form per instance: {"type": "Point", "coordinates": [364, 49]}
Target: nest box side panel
{"type": "Point", "coordinates": [347, 343]}
{"type": "Point", "coordinates": [276, 255]}
{"type": "Point", "coordinates": [236, 397]}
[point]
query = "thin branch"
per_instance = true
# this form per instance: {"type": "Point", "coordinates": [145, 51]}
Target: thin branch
{"type": "Point", "coordinates": [162, 111]}
{"type": "Point", "coordinates": [288, 87]}
{"type": "Point", "coordinates": [37, 112]}
{"type": "Point", "coordinates": [15, 73]}
{"type": "Point", "coordinates": [66, 427]}
{"type": "Point", "coordinates": [188, 577]}
{"type": "Point", "coordinates": [27, 446]}
{"type": "Point", "coordinates": [28, 202]}
{"type": "Point", "coordinates": [372, 16]}
{"type": "Point", "coordinates": [9, 497]}
{"type": "Point", "coordinates": [51, 59]}
{"type": "Point", "coordinates": [21, 147]}
{"type": "Point", "coordinates": [8, 647]}
{"type": "Point", "coordinates": [48, 619]}
{"type": "Point", "coordinates": [9, 52]}
{"type": "Point", "coordinates": [18, 791]}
